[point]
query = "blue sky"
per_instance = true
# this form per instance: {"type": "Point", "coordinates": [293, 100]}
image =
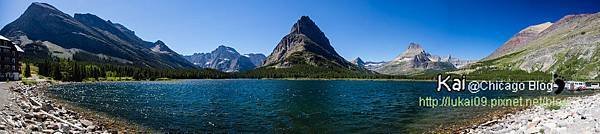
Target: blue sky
{"type": "Point", "coordinates": [374, 30]}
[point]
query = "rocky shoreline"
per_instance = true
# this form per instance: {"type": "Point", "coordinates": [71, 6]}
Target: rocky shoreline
{"type": "Point", "coordinates": [578, 115]}
{"type": "Point", "coordinates": [25, 109]}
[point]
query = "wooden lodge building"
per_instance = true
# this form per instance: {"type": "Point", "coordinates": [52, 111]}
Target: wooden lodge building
{"type": "Point", "coordinates": [10, 56]}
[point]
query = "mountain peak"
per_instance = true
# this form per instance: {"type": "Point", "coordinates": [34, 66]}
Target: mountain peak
{"type": "Point", "coordinates": [42, 5]}
{"type": "Point", "coordinates": [309, 28]}
{"type": "Point", "coordinates": [305, 25]}
{"type": "Point", "coordinates": [90, 34]}
{"type": "Point", "coordinates": [412, 50]}
{"type": "Point", "coordinates": [413, 45]}
{"type": "Point", "coordinates": [42, 10]}
{"type": "Point", "coordinates": [37, 9]}
{"type": "Point", "coordinates": [223, 48]}
{"type": "Point", "coordinates": [159, 42]}
{"type": "Point", "coordinates": [161, 47]}
{"type": "Point", "coordinates": [414, 60]}
{"type": "Point", "coordinates": [359, 62]}
{"type": "Point", "coordinates": [226, 59]}
{"type": "Point", "coordinates": [307, 43]}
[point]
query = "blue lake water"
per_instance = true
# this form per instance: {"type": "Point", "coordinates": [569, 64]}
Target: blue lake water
{"type": "Point", "coordinates": [304, 106]}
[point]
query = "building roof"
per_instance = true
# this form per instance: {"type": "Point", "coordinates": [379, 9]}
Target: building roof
{"type": "Point", "coordinates": [16, 46]}
{"type": "Point", "coordinates": [4, 38]}
{"type": "Point", "coordinates": [19, 48]}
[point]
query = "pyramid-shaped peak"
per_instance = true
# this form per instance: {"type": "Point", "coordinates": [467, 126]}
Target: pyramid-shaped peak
{"type": "Point", "coordinates": [305, 41]}
{"type": "Point", "coordinates": [308, 28]}
{"type": "Point", "coordinates": [359, 62]}
{"type": "Point", "coordinates": [305, 25]}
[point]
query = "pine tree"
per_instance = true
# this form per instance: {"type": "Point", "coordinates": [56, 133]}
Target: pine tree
{"type": "Point", "coordinates": [57, 75]}
{"type": "Point", "coordinates": [27, 71]}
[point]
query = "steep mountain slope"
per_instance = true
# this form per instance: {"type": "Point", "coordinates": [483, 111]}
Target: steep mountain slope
{"type": "Point", "coordinates": [224, 59]}
{"type": "Point", "coordinates": [569, 47]}
{"type": "Point", "coordinates": [414, 60]}
{"type": "Point", "coordinates": [86, 37]}
{"type": "Point", "coordinates": [307, 45]}
{"type": "Point", "coordinates": [519, 40]}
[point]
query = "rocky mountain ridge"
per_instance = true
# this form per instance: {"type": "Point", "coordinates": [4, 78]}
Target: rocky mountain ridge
{"type": "Point", "coordinates": [569, 47]}
{"type": "Point", "coordinates": [47, 32]}
{"type": "Point", "coordinates": [226, 59]}
{"type": "Point", "coordinates": [414, 60]}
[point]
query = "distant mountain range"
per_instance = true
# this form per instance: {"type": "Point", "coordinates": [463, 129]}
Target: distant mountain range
{"type": "Point", "coordinates": [415, 60]}
{"type": "Point", "coordinates": [44, 32]}
{"type": "Point", "coordinates": [226, 59]}
{"type": "Point", "coordinates": [458, 63]}
{"type": "Point", "coordinates": [569, 47]}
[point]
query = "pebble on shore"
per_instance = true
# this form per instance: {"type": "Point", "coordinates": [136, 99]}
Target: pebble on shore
{"type": "Point", "coordinates": [27, 112]}
{"type": "Point", "coordinates": [580, 115]}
